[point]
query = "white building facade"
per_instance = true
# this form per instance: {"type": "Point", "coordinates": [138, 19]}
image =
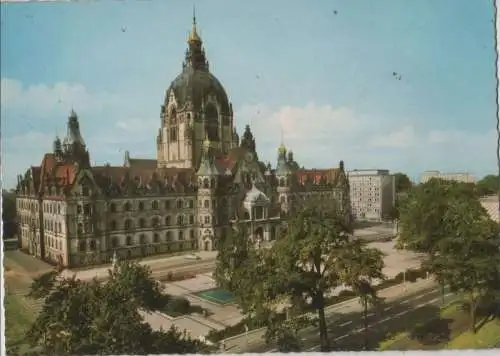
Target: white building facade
{"type": "Point", "coordinates": [372, 193]}
{"type": "Point", "coordinates": [462, 177]}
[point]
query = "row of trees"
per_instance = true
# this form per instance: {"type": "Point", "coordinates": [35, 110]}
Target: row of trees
{"type": "Point", "coordinates": [313, 256]}
{"type": "Point", "coordinates": [446, 222]}
{"type": "Point", "coordinates": [488, 185]}
{"type": "Point", "coordinates": [89, 318]}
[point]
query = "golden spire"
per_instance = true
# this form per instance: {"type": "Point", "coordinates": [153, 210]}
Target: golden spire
{"type": "Point", "coordinates": [193, 35]}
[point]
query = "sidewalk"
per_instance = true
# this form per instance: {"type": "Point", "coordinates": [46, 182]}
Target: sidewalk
{"type": "Point", "coordinates": [154, 264]}
{"type": "Point", "coordinates": [241, 343]}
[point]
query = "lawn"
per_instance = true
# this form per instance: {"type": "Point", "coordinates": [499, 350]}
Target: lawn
{"type": "Point", "coordinates": [486, 337]}
{"type": "Point", "coordinates": [450, 330]}
{"type": "Point", "coordinates": [17, 321]}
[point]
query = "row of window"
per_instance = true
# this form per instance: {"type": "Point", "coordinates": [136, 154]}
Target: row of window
{"type": "Point", "coordinates": [155, 222]}
{"type": "Point", "coordinates": [155, 205]}
{"type": "Point", "coordinates": [53, 226]}
{"type": "Point", "coordinates": [143, 240]}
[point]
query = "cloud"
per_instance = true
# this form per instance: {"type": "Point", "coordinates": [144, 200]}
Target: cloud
{"type": "Point", "coordinates": [39, 101]}
{"type": "Point", "coordinates": [404, 137]}
{"type": "Point", "coordinates": [319, 135]}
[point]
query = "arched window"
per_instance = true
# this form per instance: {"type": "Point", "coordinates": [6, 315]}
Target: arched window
{"type": "Point", "coordinates": [93, 245]}
{"type": "Point", "coordinates": [206, 183]}
{"type": "Point", "coordinates": [156, 238]}
{"type": "Point", "coordinates": [155, 222]}
{"type": "Point", "coordinates": [112, 207]}
{"type": "Point", "coordinates": [206, 204]}
{"type": "Point", "coordinates": [154, 205]}
{"type": "Point", "coordinates": [129, 240]}
{"type": "Point", "coordinates": [179, 204]}
{"type": "Point", "coordinates": [181, 235]}
{"type": "Point", "coordinates": [180, 219]}
{"type": "Point", "coordinates": [113, 225]}
{"type": "Point", "coordinates": [128, 224]}
{"type": "Point", "coordinates": [167, 204]}
{"type": "Point", "coordinates": [168, 220]}
{"type": "Point", "coordinates": [282, 182]}
{"type": "Point", "coordinates": [212, 122]}
{"type": "Point", "coordinates": [141, 206]}
{"type": "Point", "coordinates": [173, 133]}
{"type": "Point", "coordinates": [191, 219]}
{"type": "Point", "coordinates": [114, 242]}
{"type": "Point", "coordinates": [126, 206]}
{"type": "Point", "coordinates": [142, 223]}
{"type": "Point", "coordinates": [168, 236]}
{"type": "Point", "coordinates": [82, 246]}
{"type": "Point", "coordinates": [142, 239]}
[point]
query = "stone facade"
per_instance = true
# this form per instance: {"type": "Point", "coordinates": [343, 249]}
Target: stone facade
{"type": "Point", "coordinates": [203, 182]}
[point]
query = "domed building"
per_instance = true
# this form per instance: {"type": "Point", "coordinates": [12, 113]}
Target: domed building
{"type": "Point", "coordinates": [203, 181]}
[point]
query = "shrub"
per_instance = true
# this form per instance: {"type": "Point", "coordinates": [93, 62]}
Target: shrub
{"type": "Point", "coordinates": [412, 275]}
{"type": "Point", "coordinates": [178, 305]}
{"type": "Point", "coordinates": [347, 293]}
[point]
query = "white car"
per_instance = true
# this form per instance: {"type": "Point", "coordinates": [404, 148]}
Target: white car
{"type": "Point", "coordinates": [192, 257]}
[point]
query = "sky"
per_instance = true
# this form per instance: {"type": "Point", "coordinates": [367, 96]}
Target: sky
{"type": "Point", "coordinates": [322, 74]}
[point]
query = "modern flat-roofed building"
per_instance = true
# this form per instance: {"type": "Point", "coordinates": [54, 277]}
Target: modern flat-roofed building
{"type": "Point", "coordinates": [463, 177]}
{"type": "Point", "coordinates": [372, 193]}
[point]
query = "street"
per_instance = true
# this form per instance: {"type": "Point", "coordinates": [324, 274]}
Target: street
{"type": "Point", "coordinates": [399, 312]}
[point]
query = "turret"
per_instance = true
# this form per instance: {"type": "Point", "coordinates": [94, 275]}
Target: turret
{"type": "Point", "coordinates": [248, 141]}
{"type": "Point", "coordinates": [208, 180]}
{"type": "Point", "coordinates": [284, 176]}
{"type": "Point", "coordinates": [57, 148]}
{"type": "Point", "coordinates": [74, 148]}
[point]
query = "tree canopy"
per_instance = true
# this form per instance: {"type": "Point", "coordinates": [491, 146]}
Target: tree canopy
{"type": "Point", "coordinates": [308, 261]}
{"type": "Point", "coordinates": [488, 185]}
{"type": "Point", "coordinates": [9, 214]}
{"type": "Point", "coordinates": [421, 213]}
{"type": "Point", "coordinates": [402, 182]}
{"type": "Point", "coordinates": [102, 318]}
{"type": "Point", "coordinates": [446, 221]}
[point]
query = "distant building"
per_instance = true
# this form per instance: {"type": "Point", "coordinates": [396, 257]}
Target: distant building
{"type": "Point", "coordinates": [372, 193]}
{"type": "Point", "coordinates": [463, 177]}
{"type": "Point", "coordinates": [490, 203]}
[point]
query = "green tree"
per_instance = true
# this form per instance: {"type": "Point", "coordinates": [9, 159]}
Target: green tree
{"type": "Point", "coordinates": [421, 213]}
{"type": "Point", "coordinates": [99, 318]}
{"type": "Point", "coordinates": [135, 280]}
{"type": "Point", "coordinates": [362, 266]}
{"type": "Point", "coordinates": [9, 212]}
{"type": "Point", "coordinates": [468, 256]}
{"type": "Point", "coordinates": [488, 185]}
{"type": "Point", "coordinates": [402, 182]}
{"type": "Point", "coordinates": [421, 216]}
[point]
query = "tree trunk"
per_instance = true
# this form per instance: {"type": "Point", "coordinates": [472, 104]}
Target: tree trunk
{"type": "Point", "coordinates": [365, 319]}
{"type": "Point", "coordinates": [472, 311]}
{"type": "Point", "coordinates": [323, 332]}
{"type": "Point", "coordinates": [442, 291]}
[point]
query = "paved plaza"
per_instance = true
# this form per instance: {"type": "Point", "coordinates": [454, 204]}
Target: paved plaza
{"type": "Point", "coordinates": [220, 316]}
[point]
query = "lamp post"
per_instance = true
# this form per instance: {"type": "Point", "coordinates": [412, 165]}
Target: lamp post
{"type": "Point", "coordinates": [246, 336]}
